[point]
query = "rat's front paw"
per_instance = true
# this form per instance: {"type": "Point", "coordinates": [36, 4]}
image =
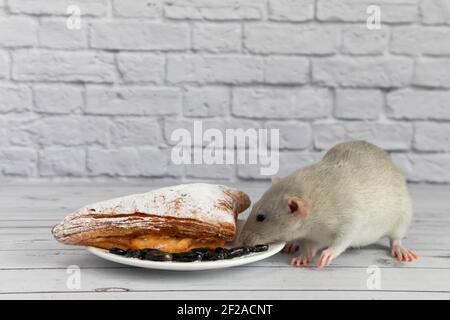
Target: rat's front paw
{"type": "Point", "coordinates": [291, 247]}
{"type": "Point", "coordinates": [326, 257]}
{"type": "Point", "coordinates": [307, 250]}
{"type": "Point", "coordinates": [301, 261]}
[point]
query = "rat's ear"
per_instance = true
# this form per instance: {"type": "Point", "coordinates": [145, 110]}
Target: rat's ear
{"type": "Point", "coordinates": [298, 206]}
{"type": "Point", "coordinates": [275, 179]}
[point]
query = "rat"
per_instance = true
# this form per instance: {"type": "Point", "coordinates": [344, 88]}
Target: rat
{"type": "Point", "coordinates": [353, 197]}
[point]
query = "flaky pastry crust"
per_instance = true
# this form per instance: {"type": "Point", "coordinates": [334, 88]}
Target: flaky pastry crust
{"type": "Point", "coordinates": [173, 219]}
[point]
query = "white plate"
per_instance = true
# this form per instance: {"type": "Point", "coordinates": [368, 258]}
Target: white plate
{"type": "Point", "coordinates": [197, 265]}
{"type": "Point", "coordinates": [188, 266]}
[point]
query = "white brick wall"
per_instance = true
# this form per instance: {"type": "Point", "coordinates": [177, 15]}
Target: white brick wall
{"type": "Point", "coordinates": [102, 101]}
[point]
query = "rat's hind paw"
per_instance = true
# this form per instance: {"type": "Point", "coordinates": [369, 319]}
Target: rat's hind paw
{"type": "Point", "coordinates": [291, 247]}
{"type": "Point", "coordinates": [403, 254]}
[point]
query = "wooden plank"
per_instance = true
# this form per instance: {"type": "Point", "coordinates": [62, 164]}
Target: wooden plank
{"type": "Point", "coordinates": [41, 239]}
{"type": "Point", "coordinates": [431, 198]}
{"type": "Point", "coordinates": [37, 230]}
{"type": "Point", "coordinates": [72, 197]}
{"type": "Point", "coordinates": [239, 278]}
{"type": "Point", "coordinates": [64, 199]}
{"type": "Point", "coordinates": [352, 258]}
{"type": "Point", "coordinates": [231, 295]}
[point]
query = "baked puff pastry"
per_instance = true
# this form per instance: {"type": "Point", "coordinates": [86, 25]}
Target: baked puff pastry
{"type": "Point", "coordinates": [171, 219]}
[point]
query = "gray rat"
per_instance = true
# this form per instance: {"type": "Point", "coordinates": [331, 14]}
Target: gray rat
{"type": "Point", "coordinates": [351, 198]}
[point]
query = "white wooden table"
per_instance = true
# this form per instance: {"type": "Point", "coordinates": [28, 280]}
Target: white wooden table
{"type": "Point", "coordinates": [33, 265]}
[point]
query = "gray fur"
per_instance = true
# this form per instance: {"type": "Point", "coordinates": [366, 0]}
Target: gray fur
{"type": "Point", "coordinates": [355, 196]}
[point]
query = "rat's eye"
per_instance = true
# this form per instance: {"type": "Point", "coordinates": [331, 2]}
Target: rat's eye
{"type": "Point", "coordinates": [260, 217]}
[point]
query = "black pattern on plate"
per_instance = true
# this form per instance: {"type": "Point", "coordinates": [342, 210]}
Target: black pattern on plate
{"type": "Point", "coordinates": [198, 254]}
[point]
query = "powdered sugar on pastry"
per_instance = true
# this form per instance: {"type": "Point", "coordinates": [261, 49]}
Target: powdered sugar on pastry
{"type": "Point", "coordinates": [200, 201]}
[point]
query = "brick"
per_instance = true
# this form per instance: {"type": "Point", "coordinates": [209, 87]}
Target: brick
{"type": "Point", "coordinates": [389, 136]}
{"type": "Point", "coordinates": [173, 170]}
{"type": "Point", "coordinates": [153, 163]}
{"type": "Point", "coordinates": [435, 11]}
{"type": "Point", "coordinates": [358, 104]}
{"type": "Point", "coordinates": [392, 11]}
{"type": "Point", "coordinates": [57, 7]}
{"type": "Point", "coordinates": [415, 40]}
{"type": "Point", "coordinates": [116, 162]}
{"type": "Point", "coordinates": [433, 72]}
{"type": "Point", "coordinates": [281, 103]}
{"type": "Point", "coordinates": [139, 36]}
{"type": "Point", "coordinates": [63, 66]}
{"type": "Point", "coordinates": [291, 10]}
{"type": "Point", "coordinates": [216, 37]}
{"type": "Point", "coordinates": [206, 102]}
{"type": "Point", "coordinates": [418, 104]}
{"type": "Point", "coordinates": [289, 161]}
{"type": "Point", "coordinates": [59, 99]}
{"type": "Point", "coordinates": [432, 136]}
{"type": "Point", "coordinates": [54, 34]}
{"type": "Point", "coordinates": [292, 161]}
{"type": "Point", "coordinates": [251, 172]}
{"type": "Point", "coordinates": [285, 39]}
{"type": "Point", "coordinates": [210, 171]}
{"type": "Point", "coordinates": [18, 130]}
{"type": "Point", "coordinates": [363, 72]}
{"type": "Point", "coordinates": [133, 101]}
{"type": "Point", "coordinates": [362, 41]}
{"type": "Point", "coordinates": [62, 162]}
{"type": "Point", "coordinates": [18, 32]}
{"type": "Point", "coordinates": [214, 69]}
{"type": "Point", "coordinates": [424, 167]}
{"type": "Point", "coordinates": [73, 131]}
{"type": "Point", "coordinates": [18, 162]}
{"type": "Point", "coordinates": [138, 9]}
{"type": "Point", "coordinates": [4, 65]}
{"type": "Point", "coordinates": [141, 67]}
{"type": "Point", "coordinates": [126, 162]}
{"type": "Point", "coordinates": [4, 132]}
{"type": "Point", "coordinates": [170, 125]}
{"type": "Point", "coordinates": [15, 98]}
{"type": "Point", "coordinates": [293, 134]}
{"type": "Point", "coordinates": [215, 9]}
{"type": "Point", "coordinates": [286, 70]}
{"type": "Point", "coordinates": [132, 132]}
